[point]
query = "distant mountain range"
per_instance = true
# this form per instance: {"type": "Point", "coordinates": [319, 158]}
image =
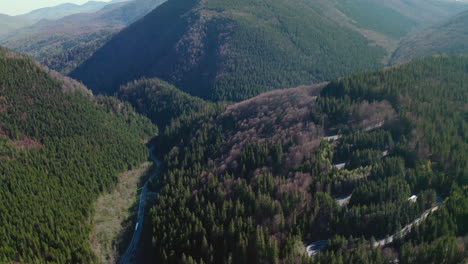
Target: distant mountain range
{"type": "Point", "coordinates": [260, 179]}
{"type": "Point", "coordinates": [10, 23]}
{"type": "Point", "coordinates": [57, 143]}
{"type": "Point", "coordinates": [49, 38]}
{"type": "Point", "coordinates": [63, 10]}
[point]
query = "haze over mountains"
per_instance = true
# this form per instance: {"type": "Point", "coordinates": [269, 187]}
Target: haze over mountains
{"type": "Point", "coordinates": [363, 160]}
{"type": "Point", "coordinates": [10, 23]}
{"type": "Point", "coordinates": [59, 148]}
{"type": "Point", "coordinates": [49, 38]}
{"type": "Point", "coordinates": [63, 10]}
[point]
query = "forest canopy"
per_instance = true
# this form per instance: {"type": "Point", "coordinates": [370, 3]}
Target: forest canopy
{"type": "Point", "coordinates": [233, 189]}
{"type": "Point", "coordinates": [59, 148]}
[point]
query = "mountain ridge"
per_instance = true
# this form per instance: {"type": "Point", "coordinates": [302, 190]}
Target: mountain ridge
{"type": "Point", "coordinates": [214, 48]}
{"type": "Point", "coordinates": [48, 39]}
{"type": "Point", "coordinates": [66, 9]}
{"type": "Point", "coordinates": [236, 50]}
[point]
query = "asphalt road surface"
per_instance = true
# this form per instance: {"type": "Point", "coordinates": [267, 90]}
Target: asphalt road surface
{"type": "Point", "coordinates": [129, 254]}
{"type": "Point", "coordinates": [314, 248]}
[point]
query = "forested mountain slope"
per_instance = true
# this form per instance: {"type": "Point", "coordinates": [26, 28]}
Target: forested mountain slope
{"type": "Point", "coordinates": [68, 39]}
{"type": "Point", "coordinates": [59, 148]}
{"type": "Point", "coordinates": [161, 102]}
{"type": "Point", "coordinates": [257, 182]}
{"type": "Point", "coordinates": [231, 50]}
{"type": "Point", "coordinates": [449, 37]}
{"type": "Point", "coordinates": [234, 50]}
{"type": "Point", "coordinates": [67, 60]}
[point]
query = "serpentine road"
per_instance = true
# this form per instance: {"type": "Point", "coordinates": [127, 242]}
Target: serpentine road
{"type": "Point", "coordinates": [129, 254]}
{"type": "Point", "coordinates": [314, 248]}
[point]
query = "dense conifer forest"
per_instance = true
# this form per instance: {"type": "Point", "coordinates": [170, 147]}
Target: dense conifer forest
{"type": "Point", "coordinates": [59, 148]}
{"type": "Point", "coordinates": [231, 51]}
{"type": "Point", "coordinates": [162, 102]}
{"type": "Point", "coordinates": [234, 190]}
{"type": "Point", "coordinates": [364, 160]}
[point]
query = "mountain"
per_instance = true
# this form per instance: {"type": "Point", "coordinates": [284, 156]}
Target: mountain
{"type": "Point", "coordinates": [63, 10]}
{"type": "Point", "coordinates": [161, 102]}
{"type": "Point", "coordinates": [60, 147]}
{"type": "Point", "coordinates": [233, 51]}
{"type": "Point", "coordinates": [127, 13]}
{"type": "Point", "coordinates": [67, 60]}
{"type": "Point", "coordinates": [10, 23]}
{"type": "Point", "coordinates": [397, 18]}
{"type": "Point", "coordinates": [230, 51]}
{"type": "Point", "coordinates": [425, 12]}
{"type": "Point", "coordinates": [344, 165]}
{"type": "Point", "coordinates": [47, 39]}
{"type": "Point", "coordinates": [450, 36]}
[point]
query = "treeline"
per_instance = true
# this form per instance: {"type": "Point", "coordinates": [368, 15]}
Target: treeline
{"type": "Point", "coordinates": [59, 150]}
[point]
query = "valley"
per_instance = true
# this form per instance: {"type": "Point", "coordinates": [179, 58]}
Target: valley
{"type": "Point", "coordinates": [232, 132]}
{"type": "Point", "coordinates": [129, 255]}
{"type": "Point", "coordinates": [449, 36]}
{"type": "Point", "coordinates": [112, 220]}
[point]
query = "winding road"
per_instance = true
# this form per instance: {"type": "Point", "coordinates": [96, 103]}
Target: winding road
{"type": "Point", "coordinates": [129, 254]}
{"type": "Point", "coordinates": [403, 232]}
{"type": "Point", "coordinates": [314, 248]}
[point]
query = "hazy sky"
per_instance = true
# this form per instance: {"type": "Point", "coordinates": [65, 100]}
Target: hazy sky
{"type": "Point", "coordinates": [17, 7]}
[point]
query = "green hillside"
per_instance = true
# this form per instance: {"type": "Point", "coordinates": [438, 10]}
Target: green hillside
{"type": "Point", "coordinates": [60, 147]}
{"type": "Point", "coordinates": [231, 50]}
{"type": "Point", "coordinates": [449, 37]}
{"type": "Point", "coordinates": [161, 102]}
{"type": "Point", "coordinates": [255, 182]}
